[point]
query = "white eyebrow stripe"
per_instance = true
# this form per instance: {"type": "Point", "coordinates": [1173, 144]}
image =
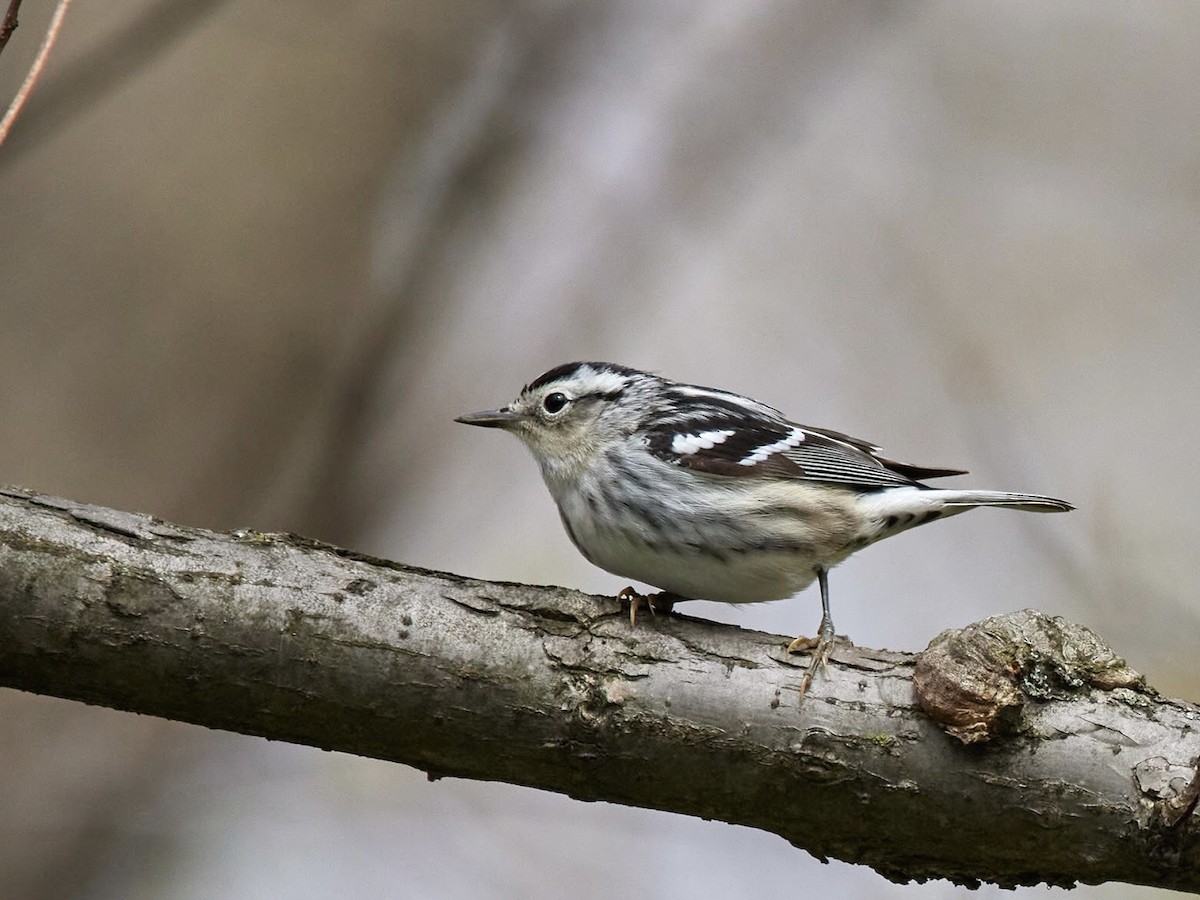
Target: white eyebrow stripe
{"type": "Point", "coordinates": [763, 453]}
{"type": "Point", "coordinates": [684, 444]}
{"type": "Point", "coordinates": [602, 382]}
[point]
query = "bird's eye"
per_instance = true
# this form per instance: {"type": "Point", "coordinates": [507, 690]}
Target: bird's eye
{"type": "Point", "coordinates": [555, 402]}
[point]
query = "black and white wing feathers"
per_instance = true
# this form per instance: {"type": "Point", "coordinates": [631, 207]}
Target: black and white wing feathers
{"type": "Point", "coordinates": [720, 433]}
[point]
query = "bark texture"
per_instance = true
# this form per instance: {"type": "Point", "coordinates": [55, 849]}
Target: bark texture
{"type": "Point", "coordinates": [278, 636]}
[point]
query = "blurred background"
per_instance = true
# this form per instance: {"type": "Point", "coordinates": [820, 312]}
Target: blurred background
{"type": "Point", "coordinates": [253, 260]}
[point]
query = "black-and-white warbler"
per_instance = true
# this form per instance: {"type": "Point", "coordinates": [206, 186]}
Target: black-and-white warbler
{"type": "Point", "coordinates": [710, 495]}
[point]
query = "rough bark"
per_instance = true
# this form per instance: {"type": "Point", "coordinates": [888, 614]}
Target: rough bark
{"type": "Point", "coordinates": [278, 636]}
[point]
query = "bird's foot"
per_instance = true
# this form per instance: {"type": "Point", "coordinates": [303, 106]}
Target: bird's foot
{"type": "Point", "coordinates": [656, 603]}
{"type": "Point", "coordinates": [803, 644]}
{"type": "Point", "coordinates": [820, 648]}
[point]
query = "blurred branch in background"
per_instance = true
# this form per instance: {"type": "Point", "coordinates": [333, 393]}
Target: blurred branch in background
{"type": "Point", "coordinates": [9, 23]}
{"type": "Point", "coordinates": [39, 63]}
{"type": "Point", "coordinates": [88, 79]}
{"type": "Point", "coordinates": [278, 636]}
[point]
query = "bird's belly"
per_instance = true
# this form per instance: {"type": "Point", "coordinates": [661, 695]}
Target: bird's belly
{"type": "Point", "coordinates": [741, 577]}
{"type": "Point", "coordinates": [695, 571]}
{"type": "Point", "coordinates": [733, 546]}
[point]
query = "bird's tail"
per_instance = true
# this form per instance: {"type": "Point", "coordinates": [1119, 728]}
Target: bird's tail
{"type": "Point", "coordinates": [1002, 499]}
{"type": "Point", "coordinates": [902, 508]}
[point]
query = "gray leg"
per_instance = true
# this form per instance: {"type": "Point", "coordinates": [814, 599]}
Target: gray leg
{"type": "Point", "coordinates": [822, 647]}
{"type": "Point", "coordinates": [826, 632]}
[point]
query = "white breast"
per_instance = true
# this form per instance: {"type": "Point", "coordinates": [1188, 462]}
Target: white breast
{"type": "Point", "coordinates": [708, 537]}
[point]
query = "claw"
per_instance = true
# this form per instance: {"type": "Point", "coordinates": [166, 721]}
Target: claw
{"type": "Point", "coordinates": [634, 599]}
{"type": "Point", "coordinates": [656, 603]}
{"type": "Point", "coordinates": [802, 644]}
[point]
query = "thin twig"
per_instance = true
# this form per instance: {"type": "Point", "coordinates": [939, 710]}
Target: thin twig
{"type": "Point", "coordinates": [101, 66]}
{"type": "Point", "coordinates": [35, 71]}
{"type": "Point", "coordinates": [9, 25]}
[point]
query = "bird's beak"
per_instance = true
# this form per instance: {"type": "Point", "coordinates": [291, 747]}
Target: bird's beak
{"type": "Point", "coordinates": [492, 418]}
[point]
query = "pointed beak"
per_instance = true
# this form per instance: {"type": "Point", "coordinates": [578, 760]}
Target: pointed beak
{"type": "Point", "coordinates": [492, 418]}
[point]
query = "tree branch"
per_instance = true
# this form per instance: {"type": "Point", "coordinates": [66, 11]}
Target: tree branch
{"type": "Point", "coordinates": [282, 637]}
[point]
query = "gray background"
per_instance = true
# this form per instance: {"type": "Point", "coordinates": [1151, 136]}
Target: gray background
{"type": "Point", "coordinates": [253, 260]}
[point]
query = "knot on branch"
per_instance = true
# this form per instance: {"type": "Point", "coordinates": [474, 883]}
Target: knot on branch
{"type": "Point", "coordinates": [974, 681]}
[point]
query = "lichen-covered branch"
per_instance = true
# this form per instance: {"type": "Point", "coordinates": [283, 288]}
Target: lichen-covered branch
{"type": "Point", "coordinates": [278, 636]}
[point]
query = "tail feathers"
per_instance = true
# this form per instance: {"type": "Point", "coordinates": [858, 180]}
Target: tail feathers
{"type": "Point", "coordinates": [1002, 499]}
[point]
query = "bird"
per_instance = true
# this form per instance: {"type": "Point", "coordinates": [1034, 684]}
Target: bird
{"type": "Point", "coordinates": [709, 495]}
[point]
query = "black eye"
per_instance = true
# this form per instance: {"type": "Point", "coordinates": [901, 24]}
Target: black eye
{"type": "Point", "coordinates": [554, 402]}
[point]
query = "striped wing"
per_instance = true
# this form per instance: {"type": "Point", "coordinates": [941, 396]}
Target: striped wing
{"type": "Point", "coordinates": [724, 434]}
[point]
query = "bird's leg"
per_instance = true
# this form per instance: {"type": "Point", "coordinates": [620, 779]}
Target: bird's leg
{"type": "Point", "coordinates": [656, 603]}
{"type": "Point", "coordinates": [822, 645]}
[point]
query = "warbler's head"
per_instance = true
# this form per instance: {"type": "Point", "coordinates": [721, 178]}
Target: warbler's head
{"type": "Point", "coordinates": [566, 415]}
